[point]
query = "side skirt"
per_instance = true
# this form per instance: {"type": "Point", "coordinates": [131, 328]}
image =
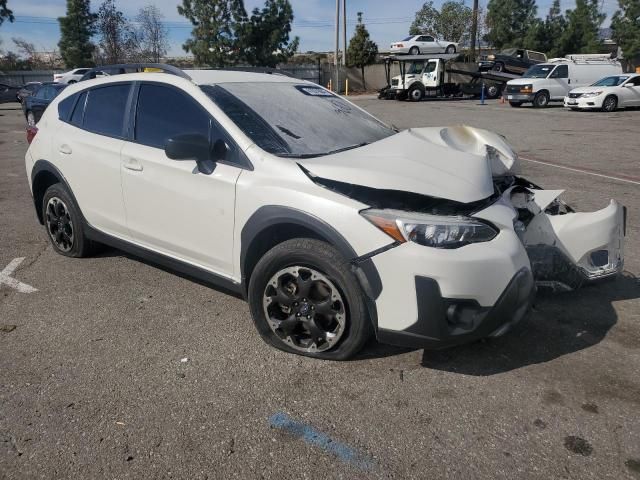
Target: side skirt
{"type": "Point", "coordinates": [165, 262]}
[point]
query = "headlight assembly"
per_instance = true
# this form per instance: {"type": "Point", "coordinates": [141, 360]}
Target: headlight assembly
{"type": "Point", "coordinates": [434, 231]}
{"type": "Point", "coordinates": [592, 94]}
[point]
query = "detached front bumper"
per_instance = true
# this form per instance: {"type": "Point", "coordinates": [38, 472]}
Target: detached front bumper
{"type": "Point", "coordinates": [444, 322]}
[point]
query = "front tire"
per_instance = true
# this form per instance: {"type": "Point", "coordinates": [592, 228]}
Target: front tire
{"type": "Point", "coordinates": [305, 299]}
{"type": "Point", "coordinates": [498, 67]}
{"type": "Point", "coordinates": [541, 100]}
{"type": "Point", "coordinates": [63, 222]}
{"type": "Point", "coordinates": [415, 94]}
{"type": "Point", "coordinates": [610, 104]}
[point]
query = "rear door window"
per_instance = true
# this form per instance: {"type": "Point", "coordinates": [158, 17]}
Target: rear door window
{"type": "Point", "coordinates": [163, 112]}
{"type": "Point", "coordinates": [65, 106]}
{"type": "Point", "coordinates": [105, 110]}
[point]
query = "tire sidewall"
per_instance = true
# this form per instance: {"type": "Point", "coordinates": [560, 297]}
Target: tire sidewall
{"type": "Point", "coordinates": [324, 258]}
{"type": "Point", "coordinates": [80, 242]}
{"type": "Point", "coordinates": [410, 94]}
{"type": "Point", "coordinates": [538, 97]}
{"type": "Point", "coordinates": [606, 109]}
{"type": "Point", "coordinates": [414, 51]}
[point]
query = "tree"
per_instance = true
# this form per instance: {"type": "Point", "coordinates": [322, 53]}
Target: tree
{"type": "Point", "coordinates": [425, 20]}
{"type": "Point", "coordinates": [264, 37]}
{"type": "Point", "coordinates": [215, 23]}
{"type": "Point", "coordinates": [583, 25]}
{"type": "Point", "coordinates": [76, 29]}
{"type": "Point", "coordinates": [509, 21]}
{"type": "Point", "coordinates": [26, 49]}
{"type": "Point", "coordinates": [545, 36]}
{"type": "Point", "coordinates": [152, 33]}
{"type": "Point", "coordinates": [453, 22]}
{"type": "Point", "coordinates": [5, 12]}
{"type": "Point", "coordinates": [626, 29]}
{"type": "Point", "coordinates": [362, 50]}
{"type": "Point", "coordinates": [118, 40]}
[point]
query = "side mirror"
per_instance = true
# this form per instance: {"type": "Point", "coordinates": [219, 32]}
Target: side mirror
{"type": "Point", "coordinates": [630, 85]}
{"type": "Point", "coordinates": [191, 146]}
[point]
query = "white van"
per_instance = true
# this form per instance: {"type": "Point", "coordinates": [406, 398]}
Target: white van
{"type": "Point", "coordinates": [552, 81]}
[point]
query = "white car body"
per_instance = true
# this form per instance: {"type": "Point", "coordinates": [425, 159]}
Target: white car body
{"type": "Point", "coordinates": [624, 88]}
{"type": "Point", "coordinates": [423, 44]}
{"type": "Point", "coordinates": [71, 76]}
{"type": "Point", "coordinates": [555, 78]}
{"type": "Point", "coordinates": [134, 196]}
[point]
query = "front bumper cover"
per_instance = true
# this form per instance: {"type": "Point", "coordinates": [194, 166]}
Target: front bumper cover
{"type": "Point", "coordinates": [446, 322]}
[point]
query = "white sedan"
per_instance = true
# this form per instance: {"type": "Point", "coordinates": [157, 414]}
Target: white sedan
{"type": "Point", "coordinates": [607, 94]}
{"type": "Point", "coordinates": [71, 76]}
{"type": "Point", "coordinates": [421, 44]}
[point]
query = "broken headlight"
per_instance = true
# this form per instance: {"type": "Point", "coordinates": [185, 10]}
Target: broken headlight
{"type": "Point", "coordinates": [431, 230]}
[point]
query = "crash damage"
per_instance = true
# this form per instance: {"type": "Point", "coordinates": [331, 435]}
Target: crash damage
{"type": "Point", "coordinates": [476, 169]}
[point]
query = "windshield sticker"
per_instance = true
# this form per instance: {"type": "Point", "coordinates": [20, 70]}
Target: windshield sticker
{"type": "Point", "coordinates": [341, 107]}
{"type": "Point", "coordinates": [314, 91]}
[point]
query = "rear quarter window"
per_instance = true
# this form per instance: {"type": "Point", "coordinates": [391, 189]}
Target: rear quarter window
{"type": "Point", "coordinates": [65, 106]}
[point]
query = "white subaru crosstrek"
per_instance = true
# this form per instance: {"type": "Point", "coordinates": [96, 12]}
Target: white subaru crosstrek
{"type": "Point", "coordinates": [334, 226]}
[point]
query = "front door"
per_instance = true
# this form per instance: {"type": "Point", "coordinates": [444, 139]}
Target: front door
{"type": "Point", "coordinates": [559, 82]}
{"type": "Point", "coordinates": [171, 207]}
{"type": "Point", "coordinates": [630, 93]}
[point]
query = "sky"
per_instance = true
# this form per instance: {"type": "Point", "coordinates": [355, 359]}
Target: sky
{"type": "Point", "coordinates": [386, 20]}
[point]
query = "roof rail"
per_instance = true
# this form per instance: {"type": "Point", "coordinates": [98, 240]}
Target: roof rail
{"type": "Point", "coordinates": [122, 68]}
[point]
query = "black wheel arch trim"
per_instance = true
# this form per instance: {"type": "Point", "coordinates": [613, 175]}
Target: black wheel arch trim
{"type": "Point", "coordinates": [44, 166]}
{"type": "Point", "coordinates": [273, 215]}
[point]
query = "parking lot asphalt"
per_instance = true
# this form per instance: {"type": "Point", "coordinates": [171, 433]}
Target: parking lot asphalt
{"type": "Point", "coordinates": [115, 368]}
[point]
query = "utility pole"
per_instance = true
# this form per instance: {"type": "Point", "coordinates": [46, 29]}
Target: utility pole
{"type": "Point", "coordinates": [335, 59]}
{"type": "Point", "coordinates": [344, 32]}
{"type": "Point", "coordinates": [474, 30]}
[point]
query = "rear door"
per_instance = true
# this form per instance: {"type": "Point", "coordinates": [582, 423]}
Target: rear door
{"type": "Point", "coordinates": [171, 207]}
{"type": "Point", "coordinates": [87, 146]}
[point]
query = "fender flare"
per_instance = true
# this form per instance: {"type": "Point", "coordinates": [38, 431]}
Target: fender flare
{"type": "Point", "coordinates": [43, 167]}
{"type": "Point", "coordinates": [272, 215]}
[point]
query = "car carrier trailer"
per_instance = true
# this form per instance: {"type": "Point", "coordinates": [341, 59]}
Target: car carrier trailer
{"type": "Point", "coordinates": [429, 76]}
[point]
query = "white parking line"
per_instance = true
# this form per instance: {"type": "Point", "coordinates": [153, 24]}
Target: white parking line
{"type": "Point", "coordinates": [6, 279]}
{"type": "Point", "coordinates": [586, 172]}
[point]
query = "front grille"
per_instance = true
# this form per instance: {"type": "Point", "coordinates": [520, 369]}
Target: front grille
{"type": "Point", "coordinates": [394, 82]}
{"type": "Point", "coordinates": [513, 88]}
{"type": "Point", "coordinates": [575, 95]}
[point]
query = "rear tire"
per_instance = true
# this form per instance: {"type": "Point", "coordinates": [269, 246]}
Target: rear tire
{"type": "Point", "coordinates": [414, 51]}
{"type": "Point", "coordinates": [451, 49]}
{"type": "Point", "coordinates": [541, 100]}
{"type": "Point", "coordinates": [610, 104]}
{"type": "Point", "coordinates": [281, 276]}
{"type": "Point", "coordinates": [63, 222]}
{"type": "Point", "coordinates": [493, 91]}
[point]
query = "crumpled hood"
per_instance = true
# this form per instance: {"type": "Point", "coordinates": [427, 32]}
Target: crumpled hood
{"type": "Point", "coordinates": [455, 163]}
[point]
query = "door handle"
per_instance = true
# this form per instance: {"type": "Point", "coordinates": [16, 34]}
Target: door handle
{"type": "Point", "coordinates": [65, 149]}
{"type": "Point", "coordinates": [134, 165]}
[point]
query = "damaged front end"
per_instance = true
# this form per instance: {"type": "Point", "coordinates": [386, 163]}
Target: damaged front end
{"type": "Point", "coordinates": [567, 248]}
{"type": "Point", "coordinates": [463, 172]}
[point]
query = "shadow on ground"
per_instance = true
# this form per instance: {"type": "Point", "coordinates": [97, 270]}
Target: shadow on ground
{"type": "Point", "coordinates": [559, 324]}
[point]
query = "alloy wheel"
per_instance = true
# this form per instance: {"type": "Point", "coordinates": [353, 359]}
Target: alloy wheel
{"type": "Point", "coordinates": [609, 104]}
{"type": "Point", "coordinates": [59, 224]}
{"type": "Point", "coordinates": [304, 309]}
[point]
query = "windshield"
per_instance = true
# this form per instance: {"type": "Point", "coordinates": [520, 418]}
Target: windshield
{"type": "Point", "coordinates": [293, 120]}
{"type": "Point", "coordinates": [538, 71]}
{"type": "Point", "coordinates": [609, 81]}
{"type": "Point", "coordinates": [415, 68]}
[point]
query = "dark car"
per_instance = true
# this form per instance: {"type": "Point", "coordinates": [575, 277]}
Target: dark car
{"type": "Point", "coordinates": [35, 104]}
{"type": "Point", "coordinates": [28, 89]}
{"type": "Point", "coordinates": [512, 60]}
{"type": "Point", "coordinates": [8, 93]}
